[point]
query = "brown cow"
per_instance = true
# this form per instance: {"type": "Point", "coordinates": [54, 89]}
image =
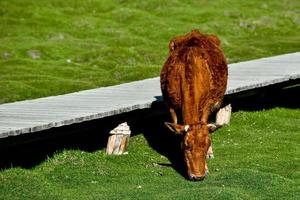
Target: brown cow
{"type": "Point", "coordinates": [193, 83]}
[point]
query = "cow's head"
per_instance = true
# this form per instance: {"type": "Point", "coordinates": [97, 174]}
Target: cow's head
{"type": "Point", "coordinates": [195, 144]}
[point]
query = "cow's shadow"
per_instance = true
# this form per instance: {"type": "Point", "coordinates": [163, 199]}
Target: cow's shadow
{"type": "Point", "coordinates": [159, 137]}
{"type": "Point", "coordinates": [30, 150]}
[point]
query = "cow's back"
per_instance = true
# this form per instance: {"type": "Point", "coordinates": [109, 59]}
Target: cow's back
{"type": "Point", "coordinates": [194, 77]}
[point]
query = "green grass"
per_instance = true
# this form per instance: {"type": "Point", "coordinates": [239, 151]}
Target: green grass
{"type": "Point", "coordinates": [257, 157]}
{"type": "Point", "coordinates": [55, 47]}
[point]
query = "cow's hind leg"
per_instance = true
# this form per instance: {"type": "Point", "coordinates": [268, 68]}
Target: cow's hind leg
{"type": "Point", "coordinates": [173, 115]}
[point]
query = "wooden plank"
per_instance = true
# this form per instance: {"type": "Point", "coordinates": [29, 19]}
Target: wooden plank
{"type": "Point", "coordinates": [44, 113]}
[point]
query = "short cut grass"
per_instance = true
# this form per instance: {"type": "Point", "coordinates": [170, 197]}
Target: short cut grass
{"type": "Point", "coordinates": [56, 47]}
{"type": "Point", "coordinates": [257, 157]}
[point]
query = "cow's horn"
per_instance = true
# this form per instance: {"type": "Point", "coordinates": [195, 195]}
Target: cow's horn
{"type": "Point", "coordinates": [212, 127]}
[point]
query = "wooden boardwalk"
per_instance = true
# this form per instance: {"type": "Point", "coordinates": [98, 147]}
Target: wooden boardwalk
{"type": "Point", "coordinates": [55, 111]}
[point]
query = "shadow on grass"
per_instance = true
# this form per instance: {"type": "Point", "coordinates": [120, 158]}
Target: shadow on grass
{"type": "Point", "coordinates": [30, 150]}
{"type": "Point", "coordinates": [159, 137]}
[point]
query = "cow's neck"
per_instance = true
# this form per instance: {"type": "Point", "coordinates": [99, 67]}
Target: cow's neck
{"type": "Point", "coordinates": [192, 113]}
{"type": "Point", "coordinates": [194, 105]}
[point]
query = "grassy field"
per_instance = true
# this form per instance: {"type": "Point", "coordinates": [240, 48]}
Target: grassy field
{"type": "Point", "coordinates": [55, 47]}
{"type": "Point", "coordinates": [257, 157]}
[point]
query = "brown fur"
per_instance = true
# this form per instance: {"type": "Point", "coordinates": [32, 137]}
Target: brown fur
{"type": "Point", "coordinates": [193, 83]}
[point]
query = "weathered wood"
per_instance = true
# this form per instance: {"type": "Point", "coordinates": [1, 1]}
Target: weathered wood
{"type": "Point", "coordinates": [223, 116]}
{"type": "Point", "coordinates": [45, 113]}
{"type": "Point", "coordinates": [118, 140]}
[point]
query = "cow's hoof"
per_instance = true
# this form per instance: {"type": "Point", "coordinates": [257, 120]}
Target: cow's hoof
{"type": "Point", "coordinates": [206, 172]}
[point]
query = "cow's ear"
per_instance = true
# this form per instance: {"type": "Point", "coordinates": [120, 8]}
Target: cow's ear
{"type": "Point", "coordinates": [177, 128]}
{"type": "Point", "coordinates": [213, 127]}
{"type": "Point", "coordinates": [214, 39]}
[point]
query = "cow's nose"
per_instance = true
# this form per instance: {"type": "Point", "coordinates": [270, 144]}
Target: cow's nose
{"type": "Point", "coordinates": [196, 178]}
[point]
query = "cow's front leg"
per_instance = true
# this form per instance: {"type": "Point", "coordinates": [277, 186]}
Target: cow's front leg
{"type": "Point", "coordinates": [206, 169]}
{"type": "Point", "coordinates": [210, 153]}
{"type": "Point", "coordinates": [173, 115]}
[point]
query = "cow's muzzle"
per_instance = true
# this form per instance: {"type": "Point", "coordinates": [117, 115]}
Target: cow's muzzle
{"type": "Point", "coordinates": [193, 177]}
{"type": "Point", "coordinates": [196, 178]}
